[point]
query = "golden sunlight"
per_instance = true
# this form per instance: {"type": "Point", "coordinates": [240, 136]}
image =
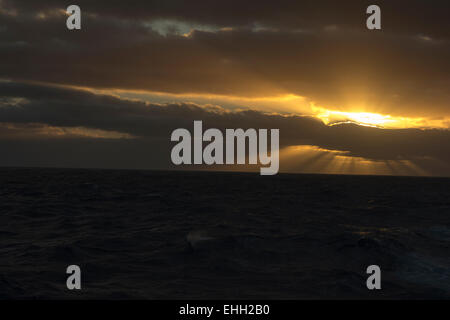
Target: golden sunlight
{"type": "Point", "coordinates": [290, 104]}
{"type": "Point", "coordinates": [312, 159]}
{"type": "Point", "coordinates": [333, 117]}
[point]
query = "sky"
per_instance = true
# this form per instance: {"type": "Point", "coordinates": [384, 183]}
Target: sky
{"type": "Point", "coordinates": [346, 99]}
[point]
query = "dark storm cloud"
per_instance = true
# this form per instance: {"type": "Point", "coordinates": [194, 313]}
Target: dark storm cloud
{"type": "Point", "coordinates": [398, 15]}
{"type": "Point", "coordinates": [152, 125]}
{"type": "Point", "coordinates": [65, 107]}
{"type": "Point", "coordinates": [316, 49]}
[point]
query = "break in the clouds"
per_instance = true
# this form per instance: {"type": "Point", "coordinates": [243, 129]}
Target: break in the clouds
{"type": "Point", "coordinates": [49, 125]}
{"type": "Point", "coordinates": [148, 67]}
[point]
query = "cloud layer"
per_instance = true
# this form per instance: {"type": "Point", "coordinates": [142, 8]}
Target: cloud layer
{"type": "Point", "coordinates": [115, 132]}
{"type": "Point", "coordinates": [319, 52]}
{"type": "Point", "coordinates": [315, 49]}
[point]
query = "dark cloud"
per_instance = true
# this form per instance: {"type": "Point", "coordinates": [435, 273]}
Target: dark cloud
{"type": "Point", "coordinates": [409, 16]}
{"type": "Point", "coordinates": [400, 70]}
{"type": "Point", "coordinates": [152, 125]}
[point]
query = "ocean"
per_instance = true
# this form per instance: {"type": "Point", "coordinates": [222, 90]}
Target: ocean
{"type": "Point", "coordinates": [215, 235]}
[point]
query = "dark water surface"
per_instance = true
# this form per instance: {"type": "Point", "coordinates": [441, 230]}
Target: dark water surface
{"type": "Point", "coordinates": [174, 235]}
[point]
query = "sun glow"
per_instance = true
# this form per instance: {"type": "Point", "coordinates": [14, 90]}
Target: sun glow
{"type": "Point", "coordinates": [286, 104]}
{"type": "Point", "coordinates": [333, 117]}
{"type": "Point", "coordinates": [312, 159]}
{"type": "Point", "coordinates": [362, 118]}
